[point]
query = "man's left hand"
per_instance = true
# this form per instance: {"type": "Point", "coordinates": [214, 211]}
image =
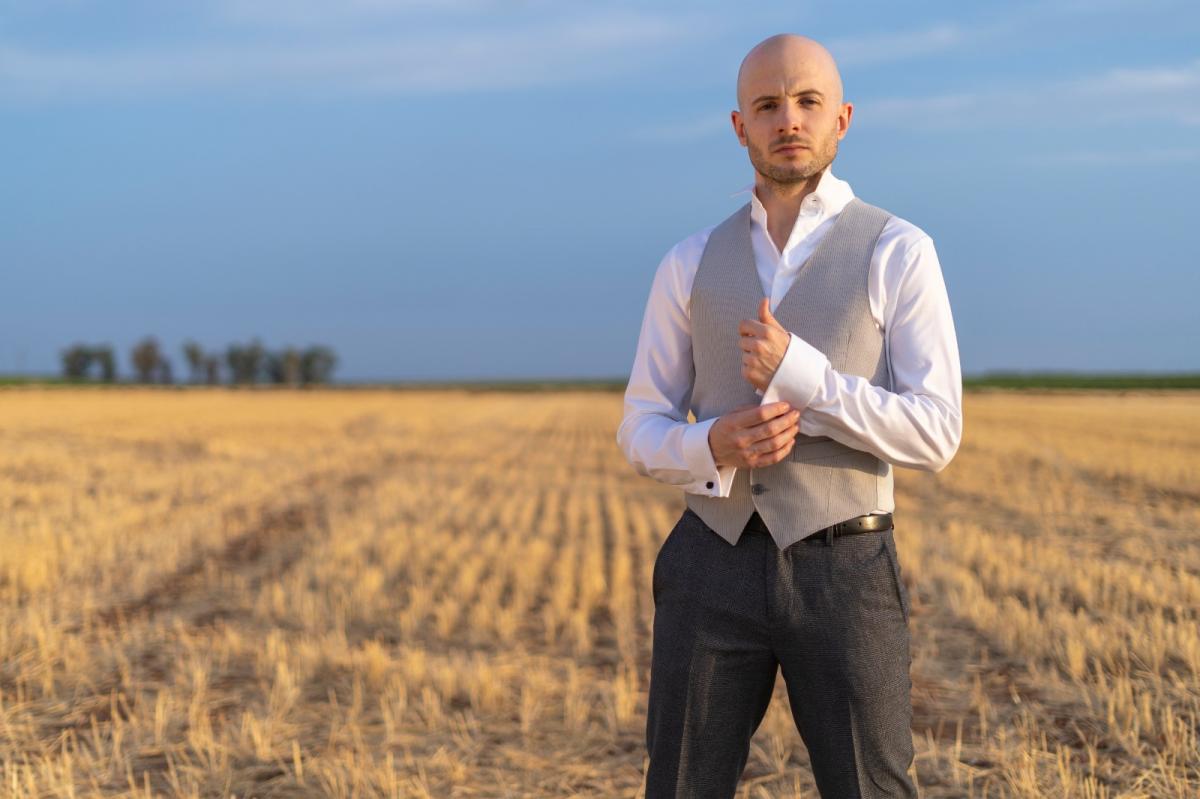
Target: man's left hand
{"type": "Point", "coordinates": [763, 344]}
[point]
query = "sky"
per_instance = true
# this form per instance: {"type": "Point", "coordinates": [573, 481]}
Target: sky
{"type": "Point", "coordinates": [446, 189]}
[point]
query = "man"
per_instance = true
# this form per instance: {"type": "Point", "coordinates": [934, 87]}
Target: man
{"type": "Point", "coordinates": [811, 335]}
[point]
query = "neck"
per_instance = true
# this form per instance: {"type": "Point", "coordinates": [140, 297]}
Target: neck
{"type": "Point", "coordinates": [782, 203]}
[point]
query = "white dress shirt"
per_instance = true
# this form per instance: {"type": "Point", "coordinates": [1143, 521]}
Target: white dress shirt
{"type": "Point", "coordinates": [918, 426]}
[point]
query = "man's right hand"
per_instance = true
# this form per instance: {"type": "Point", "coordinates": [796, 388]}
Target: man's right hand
{"type": "Point", "coordinates": [753, 436]}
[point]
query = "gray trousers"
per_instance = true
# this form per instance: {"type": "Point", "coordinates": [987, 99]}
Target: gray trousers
{"type": "Point", "coordinates": [726, 618]}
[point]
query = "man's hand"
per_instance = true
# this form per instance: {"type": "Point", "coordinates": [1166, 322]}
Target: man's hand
{"type": "Point", "coordinates": [763, 343]}
{"type": "Point", "coordinates": [754, 435]}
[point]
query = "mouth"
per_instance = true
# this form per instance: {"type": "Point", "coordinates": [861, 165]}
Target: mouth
{"type": "Point", "coordinates": [788, 148]}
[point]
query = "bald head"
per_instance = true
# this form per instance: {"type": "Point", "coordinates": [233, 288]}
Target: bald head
{"type": "Point", "coordinates": [791, 62]}
{"type": "Point", "coordinates": [791, 113]}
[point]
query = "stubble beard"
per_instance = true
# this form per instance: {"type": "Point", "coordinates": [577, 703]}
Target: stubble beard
{"type": "Point", "coordinates": [790, 174]}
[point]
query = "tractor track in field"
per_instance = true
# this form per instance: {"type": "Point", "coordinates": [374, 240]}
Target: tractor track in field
{"type": "Point", "coordinates": [271, 540]}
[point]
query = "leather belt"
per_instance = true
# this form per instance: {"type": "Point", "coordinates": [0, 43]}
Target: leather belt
{"type": "Point", "coordinates": [867, 523]}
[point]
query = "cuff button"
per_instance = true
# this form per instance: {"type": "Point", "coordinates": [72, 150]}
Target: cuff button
{"type": "Point", "coordinates": [708, 484]}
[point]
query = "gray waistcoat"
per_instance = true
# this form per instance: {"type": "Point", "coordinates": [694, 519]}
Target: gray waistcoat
{"type": "Point", "coordinates": [822, 481]}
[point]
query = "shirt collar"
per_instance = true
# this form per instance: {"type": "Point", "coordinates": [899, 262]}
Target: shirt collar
{"type": "Point", "coordinates": [829, 198]}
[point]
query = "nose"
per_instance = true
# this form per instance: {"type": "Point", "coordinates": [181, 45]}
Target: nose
{"type": "Point", "coordinates": [790, 118]}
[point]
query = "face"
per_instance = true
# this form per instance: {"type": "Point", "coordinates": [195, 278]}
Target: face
{"type": "Point", "coordinates": [791, 117]}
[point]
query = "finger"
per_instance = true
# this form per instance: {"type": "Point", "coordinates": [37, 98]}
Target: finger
{"type": "Point", "coordinates": [778, 424]}
{"type": "Point", "coordinates": [758, 439]}
{"type": "Point", "coordinates": [781, 438]}
{"type": "Point", "coordinates": [779, 454]}
{"type": "Point", "coordinates": [746, 416]}
{"type": "Point", "coordinates": [751, 344]}
{"type": "Point", "coordinates": [769, 411]}
{"type": "Point", "coordinates": [766, 457]}
{"type": "Point", "coordinates": [749, 327]}
{"type": "Point", "coordinates": [776, 429]}
{"type": "Point", "coordinates": [780, 445]}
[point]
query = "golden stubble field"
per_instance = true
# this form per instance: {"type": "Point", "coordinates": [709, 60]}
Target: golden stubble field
{"type": "Point", "coordinates": [447, 594]}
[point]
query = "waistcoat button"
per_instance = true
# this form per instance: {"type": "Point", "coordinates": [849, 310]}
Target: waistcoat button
{"type": "Point", "coordinates": [757, 488]}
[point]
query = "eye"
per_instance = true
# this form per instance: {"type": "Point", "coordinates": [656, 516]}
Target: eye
{"type": "Point", "coordinates": [765, 106]}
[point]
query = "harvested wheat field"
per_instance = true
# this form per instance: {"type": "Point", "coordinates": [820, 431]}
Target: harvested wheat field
{"type": "Point", "coordinates": [447, 594]}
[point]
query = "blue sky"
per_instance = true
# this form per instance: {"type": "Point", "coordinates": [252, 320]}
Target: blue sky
{"type": "Point", "coordinates": [464, 188]}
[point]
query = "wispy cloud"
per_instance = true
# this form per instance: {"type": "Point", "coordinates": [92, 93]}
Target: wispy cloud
{"type": "Point", "coordinates": [311, 13]}
{"type": "Point", "coordinates": [885, 48]}
{"type": "Point", "coordinates": [542, 53]}
{"type": "Point", "coordinates": [699, 128]}
{"type": "Point", "coordinates": [1088, 158]}
{"type": "Point", "coordinates": [1138, 95]}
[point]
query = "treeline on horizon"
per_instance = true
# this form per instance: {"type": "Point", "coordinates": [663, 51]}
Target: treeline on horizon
{"type": "Point", "coordinates": [1049, 381]}
{"type": "Point", "coordinates": [1082, 380]}
{"type": "Point", "coordinates": [239, 364]}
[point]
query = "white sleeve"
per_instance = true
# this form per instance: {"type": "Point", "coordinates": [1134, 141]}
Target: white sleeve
{"type": "Point", "coordinates": [654, 434]}
{"type": "Point", "coordinates": [919, 425]}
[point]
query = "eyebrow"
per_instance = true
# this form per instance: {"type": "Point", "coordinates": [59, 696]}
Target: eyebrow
{"type": "Point", "coordinates": [759, 99]}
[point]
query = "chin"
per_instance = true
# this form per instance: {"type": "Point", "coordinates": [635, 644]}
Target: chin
{"type": "Point", "coordinates": [793, 162]}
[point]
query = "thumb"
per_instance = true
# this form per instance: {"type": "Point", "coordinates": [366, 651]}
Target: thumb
{"type": "Point", "coordinates": [765, 315]}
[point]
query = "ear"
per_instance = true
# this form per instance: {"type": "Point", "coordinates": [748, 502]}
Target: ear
{"type": "Point", "coordinates": [739, 129]}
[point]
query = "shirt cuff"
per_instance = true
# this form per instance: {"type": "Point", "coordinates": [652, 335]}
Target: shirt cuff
{"type": "Point", "coordinates": [799, 376]}
{"type": "Point", "coordinates": [711, 480]}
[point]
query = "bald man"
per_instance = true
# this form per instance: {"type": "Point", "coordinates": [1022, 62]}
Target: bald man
{"type": "Point", "coordinates": [810, 334]}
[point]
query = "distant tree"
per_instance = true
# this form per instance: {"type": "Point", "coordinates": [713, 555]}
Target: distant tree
{"type": "Point", "coordinates": [293, 366]}
{"type": "Point", "coordinates": [235, 360]}
{"type": "Point", "coordinates": [146, 356]}
{"type": "Point", "coordinates": [245, 362]}
{"type": "Point", "coordinates": [284, 366]}
{"type": "Point", "coordinates": [108, 362]}
{"type": "Point", "coordinates": [212, 369]}
{"type": "Point", "coordinates": [193, 353]}
{"type": "Point", "coordinates": [255, 360]}
{"type": "Point", "coordinates": [76, 360]}
{"type": "Point", "coordinates": [316, 364]}
{"type": "Point", "coordinates": [163, 372]}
